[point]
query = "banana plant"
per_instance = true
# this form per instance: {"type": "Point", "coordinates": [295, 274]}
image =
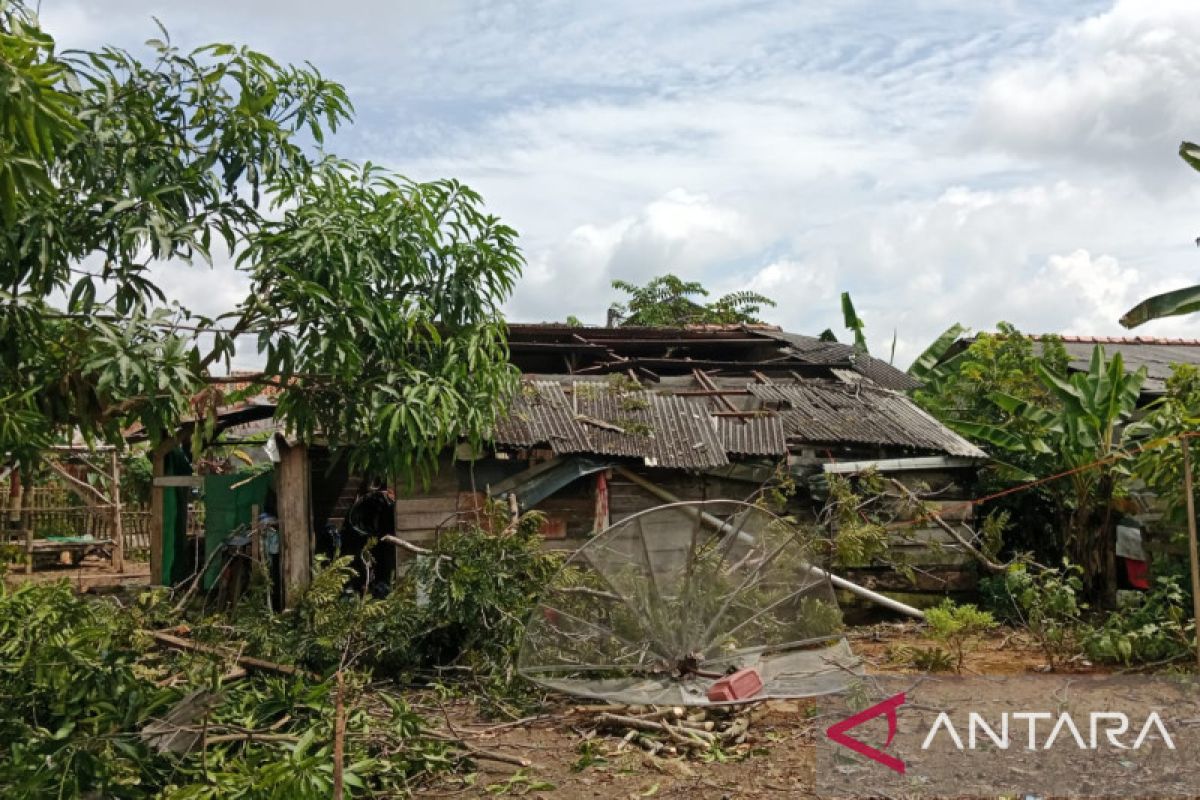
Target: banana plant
{"type": "Point", "coordinates": [926, 364]}
{"type": "Point", "coordinates": [854, 323]}
{"type": "Point", "coordinates": [1085, 436]}
{"type": "Point", "coordinates": [929, 366]}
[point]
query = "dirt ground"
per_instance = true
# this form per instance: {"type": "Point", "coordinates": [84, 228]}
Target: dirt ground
{"type": "Point", "coordinates": [777, 760]}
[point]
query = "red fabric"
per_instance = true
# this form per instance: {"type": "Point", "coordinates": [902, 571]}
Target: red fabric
{"type": "Point", "coordinates": [1138, 573]}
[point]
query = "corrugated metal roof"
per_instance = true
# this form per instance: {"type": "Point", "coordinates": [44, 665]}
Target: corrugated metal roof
{"type": "Point", "coordinates": [664, 430]}
{"type": "Point", "coordinates": [753, 436]}
{"type": "Point", "coordinates": [671, 430]}
{"type": "Point", "coordinates": [1156, 356]}
{"type": "Point", "coordinates": [826, 412]}
{"type": "Point", "coordinates": [815, 351]}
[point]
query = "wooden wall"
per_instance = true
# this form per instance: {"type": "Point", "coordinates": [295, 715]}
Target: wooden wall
{"type": "Point", "coordinates": [938, 563]}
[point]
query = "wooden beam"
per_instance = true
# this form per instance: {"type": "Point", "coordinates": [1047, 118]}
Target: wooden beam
{"type": "Point", "coordinates": [757, 412]}
{"type": "Point", "coordinates": [158, 459]}
{"type": "Point", "coordinates": [86, 492]}
{"type": "Point", "coordinates": [118, 528]}
{"type": "Point", "coordinates": [294, 497]}
{"type": "Point", "coordinates": [711, 386]}
{"type": "Point", "coordinates": [710, 392]}
{"type": "Point", "coordinates": [180, 481]}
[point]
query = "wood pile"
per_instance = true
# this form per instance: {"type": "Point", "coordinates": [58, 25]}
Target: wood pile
{"type": "Point", "coordinates": [669, 731]}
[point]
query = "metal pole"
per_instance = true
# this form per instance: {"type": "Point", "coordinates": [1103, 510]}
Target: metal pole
{"type": "Point", "coordinates": [1192, 549]}
{"type": "Point", "coordinates": [717, 524]}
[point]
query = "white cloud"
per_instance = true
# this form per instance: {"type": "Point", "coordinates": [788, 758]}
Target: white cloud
{"type": "Point", "coordinates": [1116, 89]}
{"type": "Point", "coordinates": [680, 232]}
{"type": "Point", "coordinates": [941, 161]}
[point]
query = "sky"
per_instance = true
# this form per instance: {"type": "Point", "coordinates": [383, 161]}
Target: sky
{"type": "Point", "coordinates": [943, 162]}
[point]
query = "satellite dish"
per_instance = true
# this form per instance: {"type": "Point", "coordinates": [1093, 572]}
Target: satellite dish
{"type": "Point", "coordinates": [663, 604]}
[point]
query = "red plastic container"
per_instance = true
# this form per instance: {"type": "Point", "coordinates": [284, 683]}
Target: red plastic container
{"type": "Point", "coordinates": [741, 685]}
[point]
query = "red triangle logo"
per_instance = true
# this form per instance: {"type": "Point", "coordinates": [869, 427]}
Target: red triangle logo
{"type": "Point", "coordinates": [837, 732]}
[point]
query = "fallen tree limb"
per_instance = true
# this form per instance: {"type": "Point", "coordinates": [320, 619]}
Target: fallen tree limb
{"type": "Point", "coordinates": [409, 546]}
{"type": "Point", "coordinates": [972, 550]}
{"type": "Point", "coordinates": [479, 752]}
{"type": "Point", "coordinates": [691, 737]}
{"type": "Point", "coordinates": [251, 736]}
{"type": "Point", "coordinates": [248, 662]}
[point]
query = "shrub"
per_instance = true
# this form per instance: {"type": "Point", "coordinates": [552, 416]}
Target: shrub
{"type": "Point", "coordinates": [1158, 630]}
{"type": "Point", "coordinates": [926, 659]}
{"type": "Point", "coordinates": [1044, 602]}
{"type": "Point", "coordinates": [472, 594]}
{"type": "Point", "coordinates": [958, 627]}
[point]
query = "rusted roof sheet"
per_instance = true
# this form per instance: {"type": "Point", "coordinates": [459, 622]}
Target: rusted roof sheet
{"type": "Point", "coordinates": [826, 412]}
{"type": "Point", "coordinates": [753, 436]}
{"type": "Point", "coordinates": [663, 430]}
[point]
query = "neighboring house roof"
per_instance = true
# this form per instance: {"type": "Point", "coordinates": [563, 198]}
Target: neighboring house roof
{"type": "Point", "coordinates": [1156, 355]}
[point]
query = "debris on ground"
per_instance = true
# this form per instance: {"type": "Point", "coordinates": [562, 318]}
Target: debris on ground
{"type": "Point", "coordinates": [669, 730]}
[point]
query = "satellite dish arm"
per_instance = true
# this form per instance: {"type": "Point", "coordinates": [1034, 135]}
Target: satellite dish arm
{"type": "Point", "coordinates": [717, 524]}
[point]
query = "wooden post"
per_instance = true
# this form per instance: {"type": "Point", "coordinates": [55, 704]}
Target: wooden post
{"type": "Point", "coordinates": [1192, 548]}
{"type": "Point", "coordinates": [118, 528]}
{"type": "Point", "coordinates": [158, 458]}
{"type": "Point", "coordinates": [294, 496]}
{"type": "Point", "coordinates": [27, 529]}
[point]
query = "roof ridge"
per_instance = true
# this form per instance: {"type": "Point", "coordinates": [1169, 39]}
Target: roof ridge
{"type": "Point", "coordinates": [1083, 339]}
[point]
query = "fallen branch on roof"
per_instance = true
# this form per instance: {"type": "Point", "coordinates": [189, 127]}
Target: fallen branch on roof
{"type": "Point", "coordinates": [599, 423]}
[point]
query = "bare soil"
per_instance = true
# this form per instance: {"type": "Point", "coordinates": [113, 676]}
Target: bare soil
{"type": "Point", "coordinates": [777, 760]}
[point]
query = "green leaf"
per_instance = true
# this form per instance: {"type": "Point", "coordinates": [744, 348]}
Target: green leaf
{"type": "Point", "coordinates": [852, 322]}
{"type": "Point", "coordinates": [1168, 304]}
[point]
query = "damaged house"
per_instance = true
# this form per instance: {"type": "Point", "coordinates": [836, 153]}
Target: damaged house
{"type": "Point", "coordinates": [612, 421]}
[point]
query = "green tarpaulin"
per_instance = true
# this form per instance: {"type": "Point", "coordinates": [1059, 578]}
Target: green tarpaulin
{"type": "Point", "coordinates": [176, 555]}
{"type": "Point", "coordinates": [228, 509]}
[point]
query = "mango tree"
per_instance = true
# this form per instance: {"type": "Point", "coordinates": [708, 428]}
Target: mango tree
{"type": "Point", "coordinates": [371, 301]}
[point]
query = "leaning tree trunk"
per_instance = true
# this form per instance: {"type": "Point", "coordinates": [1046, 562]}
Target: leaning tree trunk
{"type": "Point", "coordinates": [1091, 545]}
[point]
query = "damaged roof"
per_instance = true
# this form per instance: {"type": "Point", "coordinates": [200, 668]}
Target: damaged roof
{"type": "Point", "coordinates": [652, 353]}
{"type": "Point", "coordinates": [594, 417]}
{"type": "Point", "coordinates": [829, 412]}
{"type": "Point", "coordinates": [836, 354]}
{"type": "Point", "coordinates": [696, 426]}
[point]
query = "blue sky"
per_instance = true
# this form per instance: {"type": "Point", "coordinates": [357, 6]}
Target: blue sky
{"type": "Point", "coordinates": [943, 161]}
